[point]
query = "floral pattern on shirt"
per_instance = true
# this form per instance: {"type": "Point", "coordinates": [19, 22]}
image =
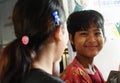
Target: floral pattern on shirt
{"type": "Point", "coordinates": [76, 73]}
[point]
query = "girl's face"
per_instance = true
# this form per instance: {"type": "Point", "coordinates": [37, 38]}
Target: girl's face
{"type": "Point", "coordinates": [89, 42]}
{"type": "Point", "coordinates": [62, 44]}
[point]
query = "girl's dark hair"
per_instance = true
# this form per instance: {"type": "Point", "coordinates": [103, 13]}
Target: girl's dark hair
{"type": "Point", "coordinates": [81, 20]}
{"type": "Point", "coordinates": [32, 18]}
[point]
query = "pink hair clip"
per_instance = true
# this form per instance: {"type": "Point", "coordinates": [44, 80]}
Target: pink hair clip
{"type": "Point", "coordinates": [25, 40]}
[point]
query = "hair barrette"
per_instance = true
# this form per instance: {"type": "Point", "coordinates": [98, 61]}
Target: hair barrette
{"type": "Point", "coordinates": [25, 40]}
{"type": "Point", "coordinates": [56, 17]}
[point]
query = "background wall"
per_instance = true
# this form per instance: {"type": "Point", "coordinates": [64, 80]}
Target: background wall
{"type": "Point", "coordinates": [109, 58]}
{"type": "Point", "coordinates": [6, 31]}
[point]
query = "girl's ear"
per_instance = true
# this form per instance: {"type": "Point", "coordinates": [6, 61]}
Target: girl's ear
{"type": "Point", "coordinates": [71, 38]}
{"type": "Point", "coordinates": [58, 33]}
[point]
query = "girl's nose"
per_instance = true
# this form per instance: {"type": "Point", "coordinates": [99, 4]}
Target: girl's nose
{"type": "Point", "coordinates": [91, 38]}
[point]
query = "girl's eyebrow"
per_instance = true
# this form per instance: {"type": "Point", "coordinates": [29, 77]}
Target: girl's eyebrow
{"type": "Point", "coordinates": [97, 29]}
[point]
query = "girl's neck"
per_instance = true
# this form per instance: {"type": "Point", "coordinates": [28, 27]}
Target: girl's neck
{"type": "Point", "coordinates": [84, 61]}
{"type": "Point", "coordinates": [46, 66]}
{"type": "Point", "coordinates": [44, 61]}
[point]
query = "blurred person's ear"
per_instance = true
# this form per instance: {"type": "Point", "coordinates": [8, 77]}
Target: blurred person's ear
{"type": "Point", "coordinates": [58, 33]}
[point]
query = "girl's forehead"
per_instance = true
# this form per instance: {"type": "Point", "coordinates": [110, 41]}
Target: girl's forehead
{"type": "Point", "coordinates": [89, 27]}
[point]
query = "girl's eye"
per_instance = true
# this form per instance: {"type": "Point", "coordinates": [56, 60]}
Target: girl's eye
{"type": "Point", "coordinates": [97, 33]}
{"type": "Point", "coordinates": [83, 33]}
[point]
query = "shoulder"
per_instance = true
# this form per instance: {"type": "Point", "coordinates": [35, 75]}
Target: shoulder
{"type": "Point", "coordinates": [72, 68]}
{"type": "Point", "coordinates": [39, 76]}
{"type": "Point", "coordinates": [71, 73]}
{"type": "Point", "coordinates": [75, 73]}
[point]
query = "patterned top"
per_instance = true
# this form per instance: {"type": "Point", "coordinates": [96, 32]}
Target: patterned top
{"type": "Point", "coordinates": [76, 73]}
